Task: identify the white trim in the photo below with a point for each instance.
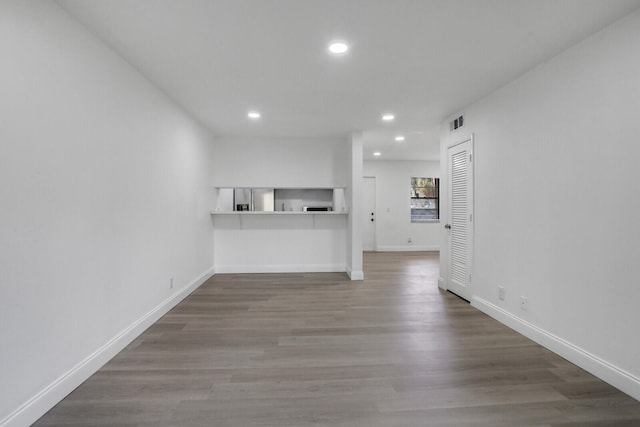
(412, 248)
(281, 268)
(355, 275)
(602, 369)
(442, 284)
(468, 137)
(48, 397)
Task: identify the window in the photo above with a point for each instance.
(425, 199)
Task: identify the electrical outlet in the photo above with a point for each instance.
(409, 240)
(501, 293)
(170, 282)
(524, 304)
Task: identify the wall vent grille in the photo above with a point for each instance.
(456, 123)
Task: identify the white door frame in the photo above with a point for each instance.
(375, 202)
(446, 274)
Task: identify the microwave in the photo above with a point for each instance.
(317, 208)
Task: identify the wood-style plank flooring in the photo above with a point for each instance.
(319, 350)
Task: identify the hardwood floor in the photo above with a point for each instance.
(319, 350)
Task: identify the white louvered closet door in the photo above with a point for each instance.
(460, 219)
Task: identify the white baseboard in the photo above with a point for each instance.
(38, 405)
(284, 268)
(355, 275)
(602, 369)
(442, 284)
(410, 248)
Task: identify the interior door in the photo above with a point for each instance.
(369, 205)
(460, 221)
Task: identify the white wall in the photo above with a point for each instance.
(106, 190)
(289, 243)
(294, 163)
(557, 201)
(354, 200)
(393, 212)
(280, 243)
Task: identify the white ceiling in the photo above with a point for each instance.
(420, 59)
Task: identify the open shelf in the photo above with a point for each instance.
(277, 213)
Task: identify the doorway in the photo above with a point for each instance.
(369, 209)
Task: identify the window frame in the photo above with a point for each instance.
(424, 197)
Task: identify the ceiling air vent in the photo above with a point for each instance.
(456, 123)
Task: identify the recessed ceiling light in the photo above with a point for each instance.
(388, 117)
(377, 153)
(338, 47)
(254, 115)
(399, 138)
